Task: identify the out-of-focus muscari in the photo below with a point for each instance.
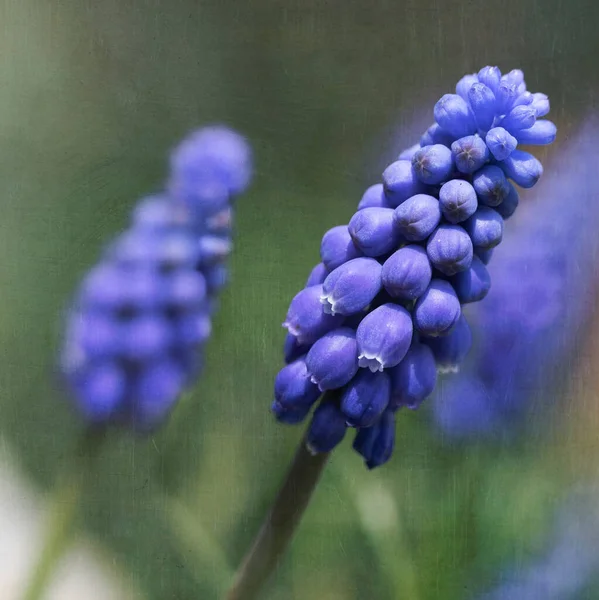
(382, 310)
(139, 321)
(536, 313)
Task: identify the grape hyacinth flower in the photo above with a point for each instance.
(383, 311)
(140, 320)
(537, 311)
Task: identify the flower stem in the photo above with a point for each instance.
(280, 524)
(63, 511)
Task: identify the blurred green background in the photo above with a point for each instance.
(93, 96)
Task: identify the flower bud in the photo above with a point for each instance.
(337, 247)
(373, 232)
(146, 337)
(470, 153)
(374, 197)
(453, 114)
(417, 217)
(100, 390)
(485, 228)
(473, 284)
(400, 182)
(407, 273)
(523, 168)
(414, 378)
(457, 200)
(484, 255)
(505, 95)
(327, 428)
(292, 349)
(351, 287)
(383, 337)
(435, 135)
(491, 77)
(490, 185)
(500, 142)
(408, 153)
(450, 350)
(289, 416)
(294, 388)
(365, 398)
(482, 101)
(306, 320)
(433, 164)
(540, 103)
(437, 310)
(450, 249)
(375, 444)
(317, 275)
(541, 133)
(520, 117)
(464, 84)
(508, 207)
(333, 359)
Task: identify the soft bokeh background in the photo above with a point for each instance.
(93, 96)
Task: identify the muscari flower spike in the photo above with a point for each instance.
(537, 312)
(138, 324)
(382, 312)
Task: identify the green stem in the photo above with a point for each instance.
(63, 511)
(280, 524)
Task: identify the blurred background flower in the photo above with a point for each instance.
(92, 95)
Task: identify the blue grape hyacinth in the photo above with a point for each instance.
(415, 251)
(536, 314)
(138, 324)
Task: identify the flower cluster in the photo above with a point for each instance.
(382, 311)
(137, 327)
(541, 283)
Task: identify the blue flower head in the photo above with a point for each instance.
(138, 324)
(383, 311)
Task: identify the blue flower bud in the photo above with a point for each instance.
(327, 428)
(463, 86)
(451, 350)
(292, 349)
(490, 185)
(470, 153)
(373, 231)
(100, 390)
(484, 255)
(437, 310)
(293, 387)
(383, 337)
(306, 320)
(474, 284)
(435, 135)
(351, 287)
(374, 197)
(289, 416)
(317, 275)
(515, 77)
(407, 273)
(94, 335)
(525, 98)
(540, 103)
(193, 329)
(408, 153)
(500, 143)
(185, 290)
(520, 117)
(452, 113)
(146, 337)
(417, 217)
(337, 247)
(485, 228)
(400, 182)
(333, 359)
(482, 101)
(523, 168)
(213, 249)
(541, 133)
(505, 95)
(433, 164)
(375, 444)
(491, 77)
(457, 200)
(220, 222)
(414, 378)
(449, 249)
(365, 398)
(508, 207)
(216, 277)
(154, 392)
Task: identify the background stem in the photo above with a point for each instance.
(280, 524)
(62, 512)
